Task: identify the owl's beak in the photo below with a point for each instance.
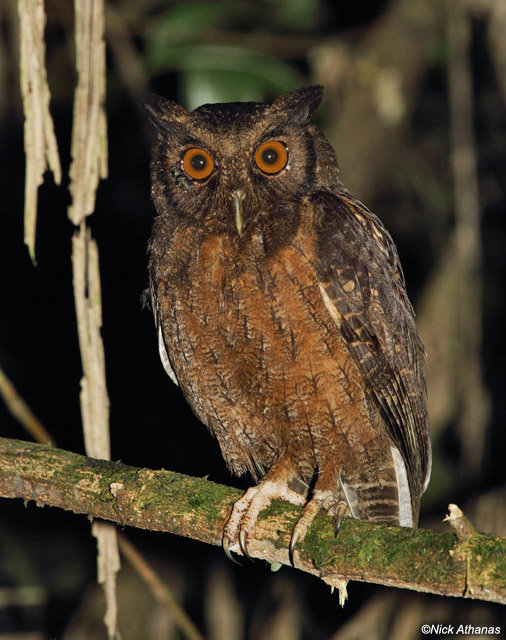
(237, 200)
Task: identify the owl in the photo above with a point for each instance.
(281, 312)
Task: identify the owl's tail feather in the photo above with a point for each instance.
(388, 501)
(351, 498)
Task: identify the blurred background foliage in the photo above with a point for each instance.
(389, 114)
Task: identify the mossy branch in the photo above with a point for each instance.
(421, 560)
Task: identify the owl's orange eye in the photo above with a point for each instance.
(197, 163)
(271, 157)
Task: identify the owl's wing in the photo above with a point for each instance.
(162, 349)
(362, 284)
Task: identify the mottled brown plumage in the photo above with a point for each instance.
(281, 313)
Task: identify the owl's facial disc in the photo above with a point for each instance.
(237, 207)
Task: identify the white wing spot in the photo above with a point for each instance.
(164, 357)
(405, 508)
(330, 306)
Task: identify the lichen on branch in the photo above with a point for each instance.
(162, 500)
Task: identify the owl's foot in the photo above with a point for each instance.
(240, 526)
(321, 500)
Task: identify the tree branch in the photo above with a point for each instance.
(421, 560)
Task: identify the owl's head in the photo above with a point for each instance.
(224, 166)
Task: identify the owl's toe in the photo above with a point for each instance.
(340, 512)
(321, 500)
(236, 531)
(304, 522)
(240, 526)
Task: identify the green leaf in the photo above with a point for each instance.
(299, 14)
(185, 21)
(217, 73)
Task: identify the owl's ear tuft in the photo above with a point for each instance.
(163, 113)
(298, 104)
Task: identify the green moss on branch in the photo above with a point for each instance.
(197, 508)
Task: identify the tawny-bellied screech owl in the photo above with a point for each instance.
(281, 313)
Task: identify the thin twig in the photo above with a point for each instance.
(127, 59)
(36, 429)
(159, 590)
(456, 519)
(22, 412)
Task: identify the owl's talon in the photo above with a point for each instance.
(243, 543)
(226, 549)
(342, 507)
(293, 541)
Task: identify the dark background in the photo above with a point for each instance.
(193, 50)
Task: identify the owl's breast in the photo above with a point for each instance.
(254, 348)
(237, 306)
